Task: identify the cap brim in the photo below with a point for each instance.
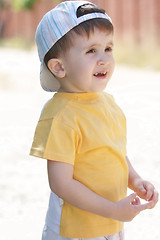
(48, 81)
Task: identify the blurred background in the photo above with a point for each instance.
(135, 84)
(137, 26)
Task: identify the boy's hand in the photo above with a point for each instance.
(146, 191)
(127, 208)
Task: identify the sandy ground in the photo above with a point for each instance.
(24, 188)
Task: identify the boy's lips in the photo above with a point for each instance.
(102, 74)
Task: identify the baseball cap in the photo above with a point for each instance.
(54, 25)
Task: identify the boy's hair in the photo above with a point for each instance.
(87, 27)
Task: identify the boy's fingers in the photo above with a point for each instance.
(149, 204)
(149, 195)
(154, 198)
(142, 189)
(136, 201)
(132, 197)
(150, 192)
(144, 206)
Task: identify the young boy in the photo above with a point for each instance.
(81, 131)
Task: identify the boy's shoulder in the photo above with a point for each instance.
(55, 107)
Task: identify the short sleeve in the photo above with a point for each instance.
(55, 140)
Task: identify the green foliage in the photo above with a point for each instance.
(23, 4)
(2, 4)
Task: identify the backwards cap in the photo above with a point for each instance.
(54, 25)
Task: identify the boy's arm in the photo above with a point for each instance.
(144, 189)
(62, 183)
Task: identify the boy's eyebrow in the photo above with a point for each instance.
(95, 44)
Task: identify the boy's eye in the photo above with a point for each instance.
(108, 49)
(91, 51)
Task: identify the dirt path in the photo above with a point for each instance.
(23, 180)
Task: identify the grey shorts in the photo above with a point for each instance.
(48, 234)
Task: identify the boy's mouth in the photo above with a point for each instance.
(100, 74)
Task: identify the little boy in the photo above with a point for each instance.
(81, 131)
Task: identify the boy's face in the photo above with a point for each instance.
(89, 63)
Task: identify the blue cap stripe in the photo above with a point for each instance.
(53, 32)
(44, 39)
(41, 44)
(74, 12)
(56, 24)
(74, 8)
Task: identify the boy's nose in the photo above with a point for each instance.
(102, 60)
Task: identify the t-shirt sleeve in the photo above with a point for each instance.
(55, 140)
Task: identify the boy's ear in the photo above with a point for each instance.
(56, 67)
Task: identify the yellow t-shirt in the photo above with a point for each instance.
(87, 130)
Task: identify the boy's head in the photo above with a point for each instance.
(58, 30)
